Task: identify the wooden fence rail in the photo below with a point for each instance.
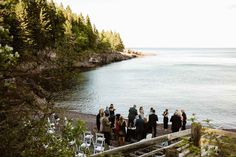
(144, 143)
(195, 132)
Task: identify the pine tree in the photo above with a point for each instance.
(10, 22)
(103, 42)
(117, 42)
(91, 34)
(20, 33)
(52, 24)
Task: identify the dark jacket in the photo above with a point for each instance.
(176, 123)
(184, 117)
(122, 129)
(98, 121)
(132, 113)
(153, 120)
(139, 125)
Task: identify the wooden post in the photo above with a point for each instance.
(172, 152)
(196, 133)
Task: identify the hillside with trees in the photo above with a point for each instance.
(31, 27)
(39, 44)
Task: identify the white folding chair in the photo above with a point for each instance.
(99, 145)
(149, 136)
(88, 139)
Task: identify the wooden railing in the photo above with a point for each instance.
(195, 133)
(144, 143)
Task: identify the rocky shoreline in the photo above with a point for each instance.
(99, 59)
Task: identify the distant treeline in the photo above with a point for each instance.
(30, 26)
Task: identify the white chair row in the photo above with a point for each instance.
(99, 144)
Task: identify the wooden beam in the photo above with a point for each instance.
(144, 143)
(175, 135)
(160, 149)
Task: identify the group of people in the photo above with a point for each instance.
(108, 122)
(142, 124)
(178, 120)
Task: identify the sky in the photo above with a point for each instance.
(164, 23)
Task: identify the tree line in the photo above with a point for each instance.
(28, 26)
(30, 31)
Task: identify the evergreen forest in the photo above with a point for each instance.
(39, 43)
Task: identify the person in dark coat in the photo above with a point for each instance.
(122, 132)
(98, 119)
(107, 111)
(132, 114)
(146, 127)
(139, 124)
(98, 123)
(176, 122)
(165, 119)
(153, 122)
(184, 120)
(112, 115)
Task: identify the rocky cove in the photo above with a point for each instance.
(99, 59)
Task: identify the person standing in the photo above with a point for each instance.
(153, 123)
(117, 126)
(107, 111)
(122, 132)
(165, 119)
(184, 120)
(146, 127)
(141, 112)
(98, 119)
(131, 116)
(112, 115)
(176, 122)
(106, 129)
(139, 124)
(150, 112)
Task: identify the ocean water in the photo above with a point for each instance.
(200, 81)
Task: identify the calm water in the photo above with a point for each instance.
(201, 81)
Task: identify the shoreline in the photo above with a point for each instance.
(95, 60)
